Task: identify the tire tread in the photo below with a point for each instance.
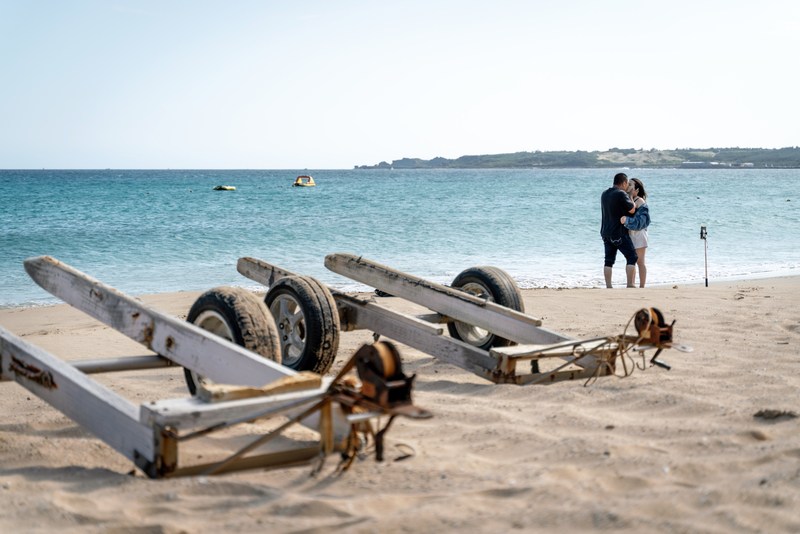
(249, 319)
(321, 317)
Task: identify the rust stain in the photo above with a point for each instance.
(93, 293)
(148, 336)
(135, 316)
(170, 342)
(25, 370)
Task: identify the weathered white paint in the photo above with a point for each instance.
(557, 350)
(182, 342)
(458, 305)
(93, 406)
(261, 271)
(392, 316)
(179, 341)
(193, 412)
(456, 352)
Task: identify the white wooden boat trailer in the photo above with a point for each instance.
(257, 388)
(473, 307)
(149, 435)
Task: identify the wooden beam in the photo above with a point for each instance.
(224, 392)
(179, 341)
(459, 305)
(392, 316)
(458, 353)
(192, 413)
(288, 458)
(261, 271)
(556, 350)
(96, 408)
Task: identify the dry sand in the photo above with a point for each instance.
(660, 451)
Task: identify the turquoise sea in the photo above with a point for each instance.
(167, 230)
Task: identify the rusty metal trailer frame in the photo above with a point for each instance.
(584, 359)
(149, 435)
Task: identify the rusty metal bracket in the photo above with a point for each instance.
(43, 378)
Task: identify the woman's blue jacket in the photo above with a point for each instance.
(639, 220)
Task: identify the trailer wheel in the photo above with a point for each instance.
(495, 285)
(237, 315)
(308, 323)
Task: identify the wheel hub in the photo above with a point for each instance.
(474, 335)
(291, 322)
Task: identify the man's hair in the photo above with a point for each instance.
(620, 178)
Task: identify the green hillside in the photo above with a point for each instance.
(788, 157)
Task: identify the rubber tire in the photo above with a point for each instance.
(503, 291)
(320, 322)
(246, 317)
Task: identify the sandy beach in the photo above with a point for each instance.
(659, 451)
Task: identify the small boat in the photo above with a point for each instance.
(224, 188)
(304, 181)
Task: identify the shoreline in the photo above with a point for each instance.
(786, 273)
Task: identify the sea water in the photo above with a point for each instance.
(168, 230)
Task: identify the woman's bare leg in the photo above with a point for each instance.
(640, 264)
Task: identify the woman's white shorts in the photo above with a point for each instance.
(639, 238)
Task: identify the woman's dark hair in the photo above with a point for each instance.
(640, 187)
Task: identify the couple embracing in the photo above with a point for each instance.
(626, 217)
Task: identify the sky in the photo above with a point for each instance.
(334, 84)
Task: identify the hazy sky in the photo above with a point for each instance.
(332, 84)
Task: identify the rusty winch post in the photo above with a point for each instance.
(653, 330)
(384, 388)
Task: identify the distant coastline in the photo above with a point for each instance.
(714, 158)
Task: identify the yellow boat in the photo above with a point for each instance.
(304, 181)
(224, 188)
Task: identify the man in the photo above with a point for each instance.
(615, 204)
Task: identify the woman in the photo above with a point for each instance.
(637, 224)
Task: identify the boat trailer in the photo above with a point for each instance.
(490, 335)
(246, 360)
(345, 411)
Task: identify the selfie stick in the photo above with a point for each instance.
(703, 235)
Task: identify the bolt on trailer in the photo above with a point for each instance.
(489, 332)
(233, 384)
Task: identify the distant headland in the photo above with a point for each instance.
(788, 157)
